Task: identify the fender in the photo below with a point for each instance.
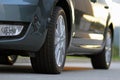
(45, 10)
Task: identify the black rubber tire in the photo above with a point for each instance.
(44, 61)
(8, 60)
(99, 60)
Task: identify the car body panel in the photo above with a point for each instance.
(17, 10)
(87, 25)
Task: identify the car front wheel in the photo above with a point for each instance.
(51, 57)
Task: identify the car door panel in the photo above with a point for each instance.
(89, 26)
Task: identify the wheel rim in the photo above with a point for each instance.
(108, 48)
(60, 41)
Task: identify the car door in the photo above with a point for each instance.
(89, 25)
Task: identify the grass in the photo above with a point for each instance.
(116, 58)
(85, 59)
(115, 51)
(77, 59)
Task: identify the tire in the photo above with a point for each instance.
(51, 57)
(103, 59)
(8, 60)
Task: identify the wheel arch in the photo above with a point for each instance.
(110, 26)
(112, 30)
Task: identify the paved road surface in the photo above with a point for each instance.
(75, 70)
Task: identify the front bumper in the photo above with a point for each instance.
(22, 12)
(29, 41)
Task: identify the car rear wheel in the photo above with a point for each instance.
(103, 59)
(8, 60)
(51, 57)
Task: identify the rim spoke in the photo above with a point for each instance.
(108, 48)
(60, 41)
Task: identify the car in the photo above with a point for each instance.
(49, 30)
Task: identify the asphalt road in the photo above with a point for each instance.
(75, 70)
